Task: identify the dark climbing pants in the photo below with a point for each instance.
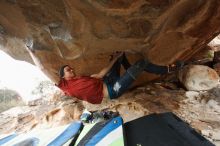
(117, 84)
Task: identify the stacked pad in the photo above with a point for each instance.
(103, 133)
(108, 132)
(162, 130)
(47, 137)
(5, 138)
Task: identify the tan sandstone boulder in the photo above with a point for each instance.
(198, 77)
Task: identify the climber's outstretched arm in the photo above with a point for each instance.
(105, 70)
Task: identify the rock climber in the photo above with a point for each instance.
(108, 83)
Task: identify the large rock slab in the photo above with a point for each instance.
(198, 77)
(50, 33)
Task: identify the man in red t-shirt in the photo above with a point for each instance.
(107, 83)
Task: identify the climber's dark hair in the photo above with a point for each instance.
(61, 74)
(61, 71)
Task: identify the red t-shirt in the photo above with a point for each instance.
(84, 88)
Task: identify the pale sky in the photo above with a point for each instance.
(20, 76)
(215, 41)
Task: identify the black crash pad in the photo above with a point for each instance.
(164, 129)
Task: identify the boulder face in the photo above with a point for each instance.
(50, 33)
(199, 77)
